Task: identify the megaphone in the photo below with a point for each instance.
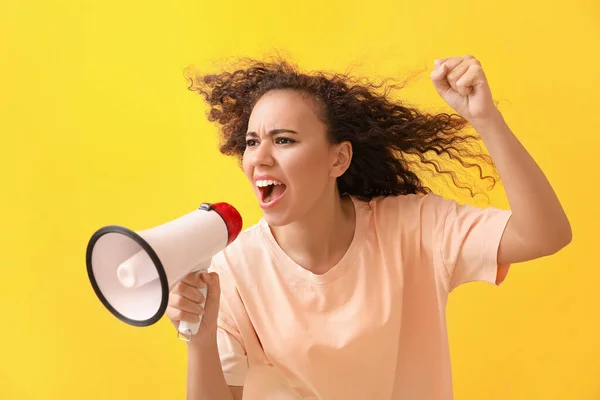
(132, 273)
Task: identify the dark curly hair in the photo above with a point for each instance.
(391, 141)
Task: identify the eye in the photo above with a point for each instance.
(250, 142)
(282, 140)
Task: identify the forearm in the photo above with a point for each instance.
(205, 379)
(538, 216)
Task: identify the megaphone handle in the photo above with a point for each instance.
(188, 329)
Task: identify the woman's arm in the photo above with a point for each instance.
(237, 392)
(538, 226)
(205, 379)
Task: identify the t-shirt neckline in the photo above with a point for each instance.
(302, 274)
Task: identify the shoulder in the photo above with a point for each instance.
(249, 239)
(430, 210)
(413, 207)
(410, 200)
(246, 250)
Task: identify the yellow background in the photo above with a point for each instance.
(97, 127)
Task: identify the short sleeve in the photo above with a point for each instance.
(230, 342)
(468, 240)
(233, 357)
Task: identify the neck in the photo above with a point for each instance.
(322, 237)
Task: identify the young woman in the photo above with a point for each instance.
(339, 291)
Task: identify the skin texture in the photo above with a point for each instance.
(391, 141)
(316, 160)
(311, 208)
(539, 226)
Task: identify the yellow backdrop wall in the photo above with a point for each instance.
(97, 127)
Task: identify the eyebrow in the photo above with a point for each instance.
(273, 132)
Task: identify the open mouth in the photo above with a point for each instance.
(270, 191)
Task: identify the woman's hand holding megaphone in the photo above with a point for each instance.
(186, 300)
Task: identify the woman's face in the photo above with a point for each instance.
(288, 159)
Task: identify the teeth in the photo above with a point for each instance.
(263, 183)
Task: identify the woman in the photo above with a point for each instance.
(339, 292)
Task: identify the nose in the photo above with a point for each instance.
(262, 155)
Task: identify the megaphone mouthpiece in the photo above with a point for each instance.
(137, 270)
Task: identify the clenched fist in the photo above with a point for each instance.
(187, 303)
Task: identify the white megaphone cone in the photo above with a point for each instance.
(132, 273)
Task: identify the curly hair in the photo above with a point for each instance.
(391, 142)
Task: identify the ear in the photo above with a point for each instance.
(342, 156)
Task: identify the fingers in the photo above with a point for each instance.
(439, 62)
(457, 73)
(442, 68)
(469, 80)
(189, 288)
(187, 291)
(181, 308)
(186, 302)
(193, 279)
(176, 314)
(438, 76)
(450, 62)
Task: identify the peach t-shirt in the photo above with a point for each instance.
(373, 327)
